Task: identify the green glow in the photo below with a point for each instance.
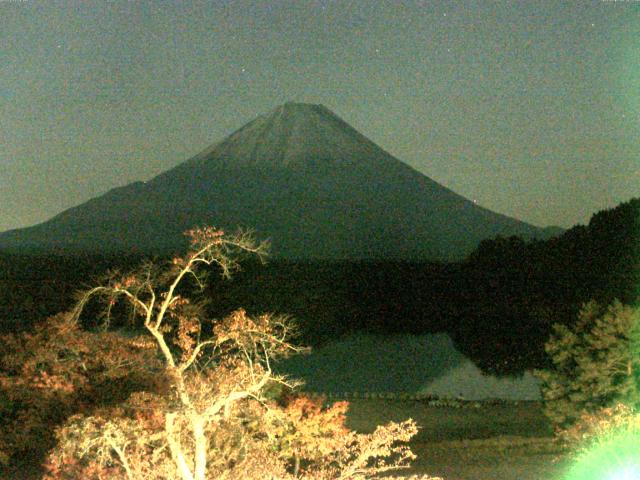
(616, 457)
(631, 473)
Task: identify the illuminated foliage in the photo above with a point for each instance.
(58, 370)
(596, 363)
(202, 404)
(593, 390)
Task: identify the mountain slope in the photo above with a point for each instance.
(300, 176)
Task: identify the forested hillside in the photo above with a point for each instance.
(498, 305)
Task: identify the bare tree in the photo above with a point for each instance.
(246, 345)
(211, 416)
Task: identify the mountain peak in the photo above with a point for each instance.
(293, 136)
(299, 175)
(299, 106)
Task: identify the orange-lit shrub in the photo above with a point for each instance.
(58, 370)
(592, 426)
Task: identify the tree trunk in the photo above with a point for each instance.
(200, 469)
(176, 450)
(296, 465)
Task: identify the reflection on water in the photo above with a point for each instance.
(403, 363)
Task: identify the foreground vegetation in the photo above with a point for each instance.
(182, 397)
(138, 381)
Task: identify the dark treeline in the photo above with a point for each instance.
(518, 290)
(33, 287)
(498, 305)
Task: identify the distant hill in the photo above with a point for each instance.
(300, 176)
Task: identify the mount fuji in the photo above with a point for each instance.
(300, 176)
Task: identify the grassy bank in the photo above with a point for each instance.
(510, 441)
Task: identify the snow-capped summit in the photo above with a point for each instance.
(291, 136)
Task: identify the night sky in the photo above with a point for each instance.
(530, 108)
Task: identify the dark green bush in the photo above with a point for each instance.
(596, 363)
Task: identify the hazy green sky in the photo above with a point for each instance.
(531, 108)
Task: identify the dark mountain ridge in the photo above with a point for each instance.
(300, 176)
